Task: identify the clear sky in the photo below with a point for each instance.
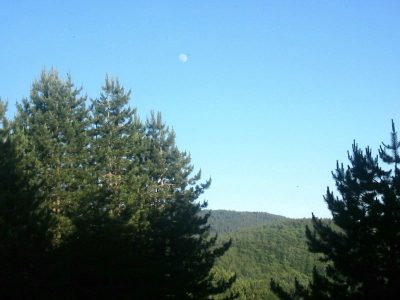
(269, 95)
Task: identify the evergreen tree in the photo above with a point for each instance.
(103, 252)
(180, 251)
(158, 246)
(116, 138)
(24, 237)
(107, 206)
(54, 123)
(362, 246)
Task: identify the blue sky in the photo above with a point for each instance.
(272, 93)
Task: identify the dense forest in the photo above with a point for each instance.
(264, 246)
(225, 221)
(96, 203)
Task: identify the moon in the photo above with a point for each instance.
(183, 57)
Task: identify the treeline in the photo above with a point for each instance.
(95, 203)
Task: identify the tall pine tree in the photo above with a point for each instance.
(25, 241)
(116, 142)
(108, 206)
(102, 253)
(181, 250)
(54, 123)
(362, 246)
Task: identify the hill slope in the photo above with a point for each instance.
(225, 221)
(275, 249)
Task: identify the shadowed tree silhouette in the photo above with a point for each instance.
(25, 242)
(362, 246)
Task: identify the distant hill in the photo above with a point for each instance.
(264, 246)
(225, 221)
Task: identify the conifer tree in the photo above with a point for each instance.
(362, 246)
(181, 251)
(53, 121)
(102, 253)
(159, 248)
(107, 206)
(116, 142)
(24, 237)
(111, 131)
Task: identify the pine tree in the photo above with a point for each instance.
(102, 252)
(53, 121)
(362, 246)
(111, 134)
(24, 236)
(107, 206)
(159, 246)
(181, 252)
(116, 142)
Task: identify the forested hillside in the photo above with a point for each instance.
(275, 249)
(225, 221)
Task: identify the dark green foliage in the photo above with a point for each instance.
(98, 260)
(24, 236)
(53, 124)
(96, 204)
(116, 134)
(181, 251)
(362, 250)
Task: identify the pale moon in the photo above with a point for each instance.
(183, 57)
